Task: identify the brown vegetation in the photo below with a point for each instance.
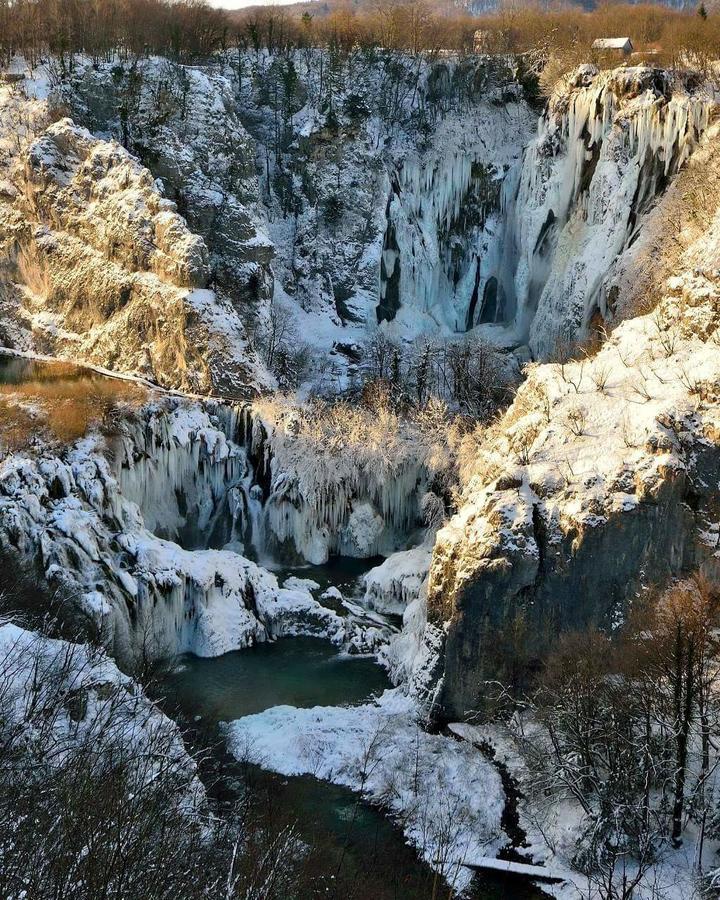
(61, 401)
(565, 33)
(556, 39)
(103, 28)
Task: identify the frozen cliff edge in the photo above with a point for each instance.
(74, 513)
(607, 147)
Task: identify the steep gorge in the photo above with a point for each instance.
(461, 223)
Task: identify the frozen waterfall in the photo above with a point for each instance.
(606, 148)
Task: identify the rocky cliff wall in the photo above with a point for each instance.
(99, 266)
(608, 146)
(600, 481)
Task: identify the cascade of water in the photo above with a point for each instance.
(181, 474)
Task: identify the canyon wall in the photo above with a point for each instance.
(99, 266)
(599, 483)
(608, 146)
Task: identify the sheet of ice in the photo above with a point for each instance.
(606, 148)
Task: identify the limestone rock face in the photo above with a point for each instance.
(183, 125)
(96, 191)
(101, 267)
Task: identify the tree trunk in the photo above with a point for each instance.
(686, 681)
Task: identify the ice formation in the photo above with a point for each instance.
(393, 585)
(82, 518)
(346, 500)
(191, 481)
(444, 223)
(606, 148)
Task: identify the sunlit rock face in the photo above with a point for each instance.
(95, 191)
(182, 123)
(101, 267)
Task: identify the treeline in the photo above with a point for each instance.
(102, 29)
(421, 25)
(189, 29)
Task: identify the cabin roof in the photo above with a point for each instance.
(620, 43)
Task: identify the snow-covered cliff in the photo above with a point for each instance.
(381, 175)
(182, 123)
(600, 480)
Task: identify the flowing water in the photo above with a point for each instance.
(296, 671)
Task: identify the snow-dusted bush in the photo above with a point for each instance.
(351, 477)
(99, 796)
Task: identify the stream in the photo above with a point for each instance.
(306, 672)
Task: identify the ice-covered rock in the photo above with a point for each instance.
(393, 585)
(329, 492)
(607, 147)
(86, 522)
(444, 233)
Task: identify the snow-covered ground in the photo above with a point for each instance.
(443, 793)
(71, 693)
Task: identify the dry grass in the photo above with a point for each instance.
(33, 272)
(17, 426)
(62, 402)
